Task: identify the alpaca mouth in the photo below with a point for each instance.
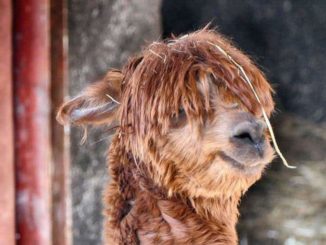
(238, 165)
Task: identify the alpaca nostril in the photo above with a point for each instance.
(250, 133)
(245, 136)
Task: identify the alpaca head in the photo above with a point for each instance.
(185, 112)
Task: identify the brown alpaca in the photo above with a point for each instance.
(190, 140)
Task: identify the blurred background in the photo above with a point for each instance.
(52, 50)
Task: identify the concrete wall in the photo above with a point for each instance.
(102, 35)
(287, 39)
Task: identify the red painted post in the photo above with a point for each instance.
(7, 182)
(61, 205)
(32, 121)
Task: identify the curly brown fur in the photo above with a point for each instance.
(177, 171)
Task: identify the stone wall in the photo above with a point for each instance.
(102, 35)
(287, 39)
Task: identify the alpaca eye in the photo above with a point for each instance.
(181, 111)
(179, 119)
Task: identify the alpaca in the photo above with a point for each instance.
(189, 139)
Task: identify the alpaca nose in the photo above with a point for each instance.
(251, 132)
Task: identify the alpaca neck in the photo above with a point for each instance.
(216, 218)
(142, 202)
(218, 211)
(218, 214)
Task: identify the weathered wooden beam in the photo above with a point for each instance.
(7, 182)
(32, 121)
(61, 204)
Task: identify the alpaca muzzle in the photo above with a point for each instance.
(251, 133)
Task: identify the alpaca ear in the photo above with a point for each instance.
(98, 104)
